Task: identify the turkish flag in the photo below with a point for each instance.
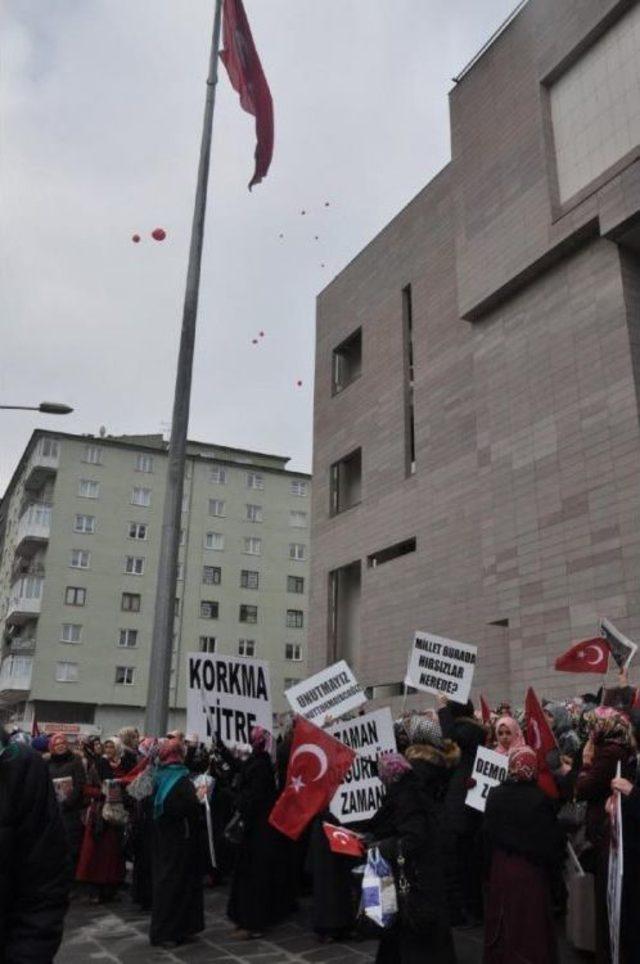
(589, 656)
(343, 841)
(240, 57)
(486, 711)
(539, 737)
(317, 765)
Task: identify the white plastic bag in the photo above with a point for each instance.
(379, 901)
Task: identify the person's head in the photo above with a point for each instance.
(171, 751)
(58, 744)
(111, 749)
(424, 729)
(607, 725)
(508, 734)
(176, 735)
(458, 710)
(40, 743)
(130, 737)
(260, 739)
(523, 765)
(95, 745)
(392, 767)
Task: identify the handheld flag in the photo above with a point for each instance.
(622, 649)
(486, 711)
(540, 738)
(343, 841)
(588, 656)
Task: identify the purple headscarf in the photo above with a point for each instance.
(392, 766)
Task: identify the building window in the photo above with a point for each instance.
(290, 681)
(298, 519)
(134, 565)
(253, 513)
(128, 638)
(391, 552)
(144, 462)
(295, 619)
(298, 487)
(49, 448)
(66, 672)
(180, 571)
(75, 596)
(80, 559)
(185, 502)
(84, 523)
(214, 540)
(88, 489)
(297, 551)
(207, 644)
(255, 480)
(293, 652)
(138, 530)
(345, 482)
(211, 575)
(246, 647)
(71, 633)
(248, 614)
(131, 602)
(183, 536)
(208, 609)
(409, 379)
(216, 507)
(176, 608)
(253, 546)
(218, 475)
(295, 584)
(249, 579)
(125, 675)
(93, 455)
(140, 496)
(346, 362)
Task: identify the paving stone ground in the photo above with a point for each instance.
(117, 933)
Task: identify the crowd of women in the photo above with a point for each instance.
(184, 816)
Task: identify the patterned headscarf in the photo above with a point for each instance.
(523, 765)
(392, 766)
(260, 739)
(517, 739)
(606, 725)
(422, 729)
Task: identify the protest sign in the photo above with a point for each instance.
(360, 794)
(330, 693)
(622, 649)
(489, 770)
(439, 665)
(227, 696)
(616, 869)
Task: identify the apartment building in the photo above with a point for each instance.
(476, 426)
(80, 535)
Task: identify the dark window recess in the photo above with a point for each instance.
(409, 414)
(295, 584)
(346, 482)
(248, 614)
(347, 362)
(385, 691)
(391, 552)
(500, 622)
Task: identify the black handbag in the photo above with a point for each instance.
(234, 831)
(415, 911)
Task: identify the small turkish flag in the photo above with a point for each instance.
(539, 737)
(589, 656)
(317, 766)
(486, 711)
(342, 841)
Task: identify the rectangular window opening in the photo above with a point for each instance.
(346, 362)
(345, 482)
(391, 552)
(409, 414)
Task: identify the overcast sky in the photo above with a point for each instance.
(101, 104)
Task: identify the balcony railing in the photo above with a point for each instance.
(43, 464)
(25, 600)
(15, 677)
(34, 528)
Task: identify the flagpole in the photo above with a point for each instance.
(162, 637)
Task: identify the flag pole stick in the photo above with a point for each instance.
(162, 637)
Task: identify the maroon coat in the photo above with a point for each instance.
(594, 786)
(101, 858)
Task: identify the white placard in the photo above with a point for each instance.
(489, 770)
(330, 693)
(226, 696)
(440, 665)
(360, 794)
(616, 870)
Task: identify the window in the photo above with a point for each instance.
(214, 540)
(183, 536)
(84, 523)
(297, 551)
(66, 672)
(391, 552)
(128, 638)
(295, 618)
(125, 675)
(345, 482)
(176, 608)
(88, 489)
(249, 579)
(248, 614)
(75, 596)
(409, 378)
(218, 475)
(298, 487)
(255, 480)
(253, 546)
(140, 496)
(144, 462)
(293, 651)
(180, 571)
(254, 513)
(298, 519)
(246, 647)
(216, 507)
(346, 362)
(134, 565)
(295, 584)
(208, 609)
(185, 502)
(71, 633)
(211, 575)
(138, 530)
(207, 644)
(131, 602)
(290, 681)
(93, 455)
(80, 559)
(49, 448)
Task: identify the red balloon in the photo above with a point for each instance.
(136, 238)
(158, 234)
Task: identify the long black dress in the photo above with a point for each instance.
(333, 909)
(177, 909)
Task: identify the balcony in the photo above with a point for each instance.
(34, 529)
(43, 464)
(15, 677)
(22, 644)
(25, 600)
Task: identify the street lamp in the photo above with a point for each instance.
(48, 408)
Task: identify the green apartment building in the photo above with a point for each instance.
(80, 530)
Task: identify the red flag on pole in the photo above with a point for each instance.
(588, 656)
(486, 710)
(240, 57)
(343, 841)
(540, 738)
(317, 765)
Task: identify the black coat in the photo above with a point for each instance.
(521, 819)
(35, 872)
(333, 911)
(460, 819)
(177, 899)
(70, 765)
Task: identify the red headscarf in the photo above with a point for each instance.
(57, 739)
(170, 751)
(523, 765)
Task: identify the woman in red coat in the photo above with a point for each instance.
(101, 862)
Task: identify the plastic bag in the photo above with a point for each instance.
(379, 901)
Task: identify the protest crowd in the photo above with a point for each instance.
(502, 817)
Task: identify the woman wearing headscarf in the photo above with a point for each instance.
(610, 742)
(405, 828)
(129, 739)
(101, 863)
(524, 842)
(139, 783)
(177, 911)
(433, 759)
(508, 735)
(67, 772)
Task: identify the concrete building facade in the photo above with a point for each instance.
(476, 426)
(80, 529)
